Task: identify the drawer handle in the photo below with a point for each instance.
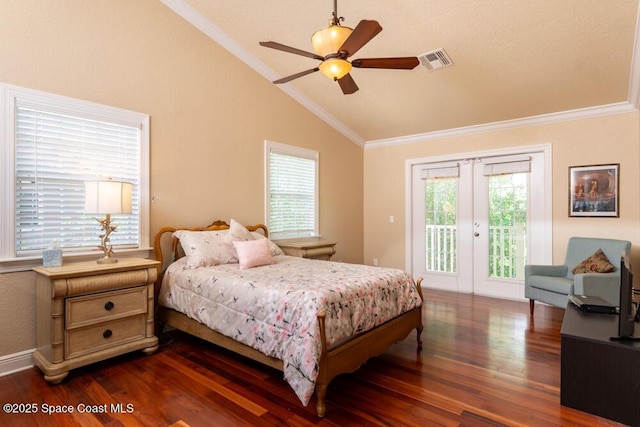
(109, 306)
(107, 333)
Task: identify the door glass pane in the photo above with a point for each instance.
(507, 225)
(441, 201)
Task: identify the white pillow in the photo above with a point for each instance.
(238, 231)
(273, 248)
(253, 253)
(206, 248)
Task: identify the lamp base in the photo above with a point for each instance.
(107, 228)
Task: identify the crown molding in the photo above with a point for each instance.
(189, 14)
(544, 119)
(181, 8)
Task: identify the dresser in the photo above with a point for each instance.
(308, 248)
(599, 375)
(88, 312)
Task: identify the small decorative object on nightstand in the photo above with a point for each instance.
(308, 248)
(87, 312)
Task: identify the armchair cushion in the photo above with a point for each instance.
(596, 263)
(560, 285)
(605, 285)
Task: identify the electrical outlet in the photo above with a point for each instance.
(375, 262)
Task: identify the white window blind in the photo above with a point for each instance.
(292, 195)
(440, 170)
(51, 146)
(508, 165)
(55, 155)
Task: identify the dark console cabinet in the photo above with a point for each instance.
(598, 375)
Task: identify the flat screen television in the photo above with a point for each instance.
(627, 312)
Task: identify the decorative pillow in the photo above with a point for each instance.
(273, 248)
(596, 263)
(206, 248)
(253, 253)
(238, 231)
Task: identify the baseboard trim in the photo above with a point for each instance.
(16, 362)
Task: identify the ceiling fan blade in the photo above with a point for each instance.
(347, 84)
(405, 63)
(285, 48)
(364, 31)
(296, 75)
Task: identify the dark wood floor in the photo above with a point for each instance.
(484, 363)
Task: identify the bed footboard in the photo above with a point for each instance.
(348, 357)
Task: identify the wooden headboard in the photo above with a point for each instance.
(175, 250)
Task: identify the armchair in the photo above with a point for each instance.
(553, 284)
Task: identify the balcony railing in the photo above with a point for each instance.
(507, 250)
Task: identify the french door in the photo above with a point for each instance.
(476, 221)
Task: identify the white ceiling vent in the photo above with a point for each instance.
(435, 59)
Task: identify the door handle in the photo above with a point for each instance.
(476, 234)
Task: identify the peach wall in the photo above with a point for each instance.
(610, 139)
(210, 115)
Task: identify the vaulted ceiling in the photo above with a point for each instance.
(514, 62)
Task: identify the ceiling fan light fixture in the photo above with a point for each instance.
(330, 39)
(335, 68)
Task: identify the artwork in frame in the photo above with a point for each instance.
(594, 191)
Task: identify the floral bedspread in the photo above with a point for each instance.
(274, 308)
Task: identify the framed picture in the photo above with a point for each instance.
(594, 191)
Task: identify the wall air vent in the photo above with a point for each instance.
(435, 59)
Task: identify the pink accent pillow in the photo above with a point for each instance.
(253, 253)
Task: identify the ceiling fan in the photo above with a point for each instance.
(334, 44)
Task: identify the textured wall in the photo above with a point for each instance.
(210, 115)
(610, 139)
(17, 314)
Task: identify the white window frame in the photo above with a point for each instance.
(10, 96)
(290, 150)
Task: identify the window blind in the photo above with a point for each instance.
(440, 170)
(507, 166)
(292, 194)
(54, 154)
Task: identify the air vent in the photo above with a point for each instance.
(435, 59)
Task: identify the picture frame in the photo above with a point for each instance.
(594, 191)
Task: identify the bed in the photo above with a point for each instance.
(312, 320)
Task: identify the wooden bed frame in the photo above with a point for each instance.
(347, 356)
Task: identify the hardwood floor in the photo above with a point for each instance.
(484, 363)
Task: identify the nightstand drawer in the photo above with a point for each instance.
(97, 308)
(95, 338)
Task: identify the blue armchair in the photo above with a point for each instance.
(553, 284)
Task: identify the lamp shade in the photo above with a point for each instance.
(107, 197)
(335, 68)
(330, 39)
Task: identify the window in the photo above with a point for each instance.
(291, 191)
(50, 146)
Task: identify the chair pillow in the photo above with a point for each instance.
(596, 263)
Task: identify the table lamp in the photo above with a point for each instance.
(106, 198)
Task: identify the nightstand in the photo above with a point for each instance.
(88, 312)
(308, 248)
